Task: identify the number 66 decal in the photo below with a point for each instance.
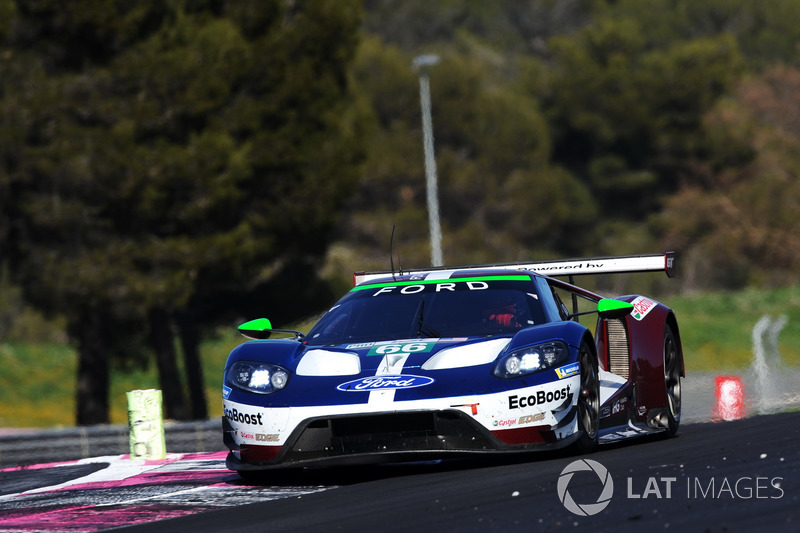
(404, 348)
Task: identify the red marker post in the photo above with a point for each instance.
(730, 398)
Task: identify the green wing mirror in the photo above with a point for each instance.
(261, 328)
(609, 308)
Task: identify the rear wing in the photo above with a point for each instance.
(565, 267)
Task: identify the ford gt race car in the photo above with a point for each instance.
(447, 362)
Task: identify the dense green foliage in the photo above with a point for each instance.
(586, 128)
(160, 157)
(167, 167)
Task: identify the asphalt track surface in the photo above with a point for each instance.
(740, 475)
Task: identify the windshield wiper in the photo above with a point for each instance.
(421, 325)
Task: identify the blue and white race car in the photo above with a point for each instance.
(450, 362)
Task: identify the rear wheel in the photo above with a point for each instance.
(672, 380)
(588, 401)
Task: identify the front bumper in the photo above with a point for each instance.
(398, 436)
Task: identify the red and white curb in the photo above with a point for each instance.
(127, 492)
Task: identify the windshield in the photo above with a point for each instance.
(484, 306)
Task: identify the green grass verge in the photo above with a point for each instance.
(716, 329)
(37, 383)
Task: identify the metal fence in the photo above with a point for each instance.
(22, 447)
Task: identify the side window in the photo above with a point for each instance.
(569, 303)
(562, 308)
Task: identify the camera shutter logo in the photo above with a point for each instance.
(585, 509)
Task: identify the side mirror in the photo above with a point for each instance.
(261, 328)
(609, 308)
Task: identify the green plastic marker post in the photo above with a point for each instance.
(146, 425)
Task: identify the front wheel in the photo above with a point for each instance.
(588, 401)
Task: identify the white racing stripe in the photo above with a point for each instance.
(609, 384)
(391, 365)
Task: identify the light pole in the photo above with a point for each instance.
(421, 63)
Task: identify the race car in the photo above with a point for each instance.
(451, 362)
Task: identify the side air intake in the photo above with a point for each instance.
(618, 348)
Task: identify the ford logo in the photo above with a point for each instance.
(403, 381)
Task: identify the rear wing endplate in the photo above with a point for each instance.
(564, 267)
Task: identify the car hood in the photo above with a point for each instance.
(386, 357)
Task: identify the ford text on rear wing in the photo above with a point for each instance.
(664, 262)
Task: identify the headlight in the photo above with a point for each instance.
(531, 359)
(260, 378)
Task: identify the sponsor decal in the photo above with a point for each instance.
(507, 422)
(619, 405)
(529, 419)
(359, 345)
(642, 306)
(438, 285)
(234, 415)
(516, 402)
(402, 348)
(259, 437)
(642, 410)
(569, 266)
(401, 381)
(569, 370)
(226, 391)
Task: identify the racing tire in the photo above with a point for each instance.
(588, 401)
(672, 381)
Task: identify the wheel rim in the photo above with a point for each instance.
(589, 399)
(672, 376)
